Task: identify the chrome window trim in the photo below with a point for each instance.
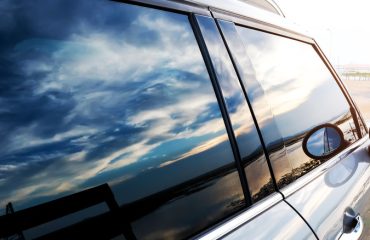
(174, 5)
(278, 26)
(230, 225)
(234, 9)
(202, 7)
(277, 29)
(321, 169)
(242, 7)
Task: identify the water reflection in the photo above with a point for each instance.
(301, 92)
(223, 192)
(101, 92)
(250, 148)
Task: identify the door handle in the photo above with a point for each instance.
(352, 225)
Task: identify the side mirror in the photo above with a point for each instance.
(323, 141)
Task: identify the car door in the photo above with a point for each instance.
(301, 92)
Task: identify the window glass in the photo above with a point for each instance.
(249, 145)
(109, 105)
(301, 92)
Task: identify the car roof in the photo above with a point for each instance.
(268, 5)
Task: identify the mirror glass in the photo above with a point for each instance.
(323, 142)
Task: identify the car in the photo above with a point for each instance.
(155, 119)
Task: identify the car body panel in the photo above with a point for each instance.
(260, 222)
(290, 226)
(323, 200)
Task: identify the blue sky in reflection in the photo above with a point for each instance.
(91, 97)
(315, 144)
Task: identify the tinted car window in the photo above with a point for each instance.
(249, 145)
(301, 92)
(109, 101)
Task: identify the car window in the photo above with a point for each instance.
(109, 105)
(301, 94)
(253, 159)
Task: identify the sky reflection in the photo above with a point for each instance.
(89, 98)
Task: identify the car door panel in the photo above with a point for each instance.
(280, 221)
(346, 183)
(270, 218)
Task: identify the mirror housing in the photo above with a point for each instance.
(324, 141)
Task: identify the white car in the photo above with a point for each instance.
(158, 119)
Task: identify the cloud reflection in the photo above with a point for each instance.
(89, 98)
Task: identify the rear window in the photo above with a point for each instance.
(108, 114)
